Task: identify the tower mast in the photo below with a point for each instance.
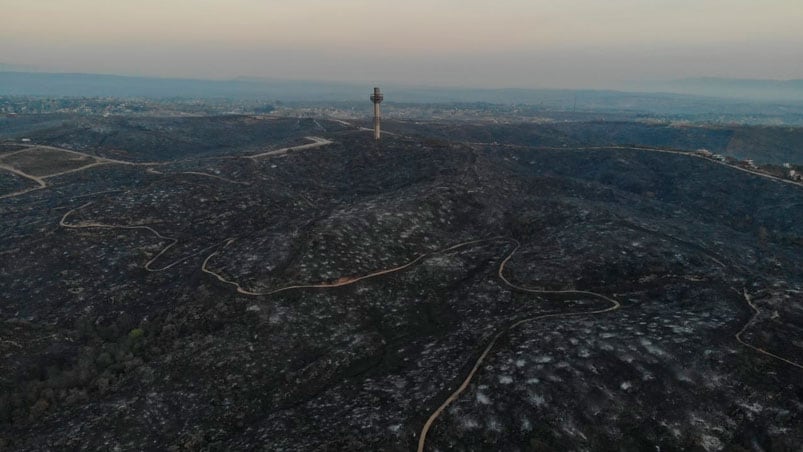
(377, 99)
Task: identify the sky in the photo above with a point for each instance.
(468, 43)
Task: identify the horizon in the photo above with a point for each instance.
(17, 82)
(11, 68)
(530, 45)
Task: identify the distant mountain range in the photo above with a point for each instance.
(750, 89)
(95, 85)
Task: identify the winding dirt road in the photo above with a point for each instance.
(642, 149)
(90, 225)
(213, 176)
(148, 265)
(692, 154)
(344, 281)
(99, 161)
(316, 142)
(40, 181)
(615, 305)
(738, 336)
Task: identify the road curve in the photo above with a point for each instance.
(39, 180)
(692, 154)
(213, 176)
(316, 142)
(643, 149)
(738, 335)
(148, 265)
(99, 161)
(345, 281)
(615, 305)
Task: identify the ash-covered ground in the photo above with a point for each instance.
(246, 283)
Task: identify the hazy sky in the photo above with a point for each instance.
(492, 43)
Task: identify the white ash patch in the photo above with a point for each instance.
(751, 408)
(710, 443)
(554, 378)
(678, 329)
(483, 399)
(673, 428)
(652, 348)
(572, 430)
(777, 430)
(536, 399)
(277, 316)
(713, 380)
(494, 424)
(606, 346)
(469, 424)
(684, 376)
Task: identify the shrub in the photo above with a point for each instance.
(136, 333)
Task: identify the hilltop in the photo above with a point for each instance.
(248, 282)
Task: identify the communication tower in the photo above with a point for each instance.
(377, 99)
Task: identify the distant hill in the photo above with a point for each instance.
(96, 85)
(609, 104)
(774, 145)
(643, 97)
(763, 90)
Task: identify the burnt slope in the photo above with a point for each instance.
(100, 352)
